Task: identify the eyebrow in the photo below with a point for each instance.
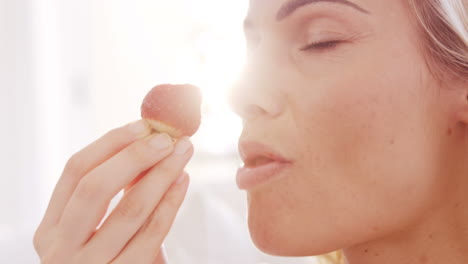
(289, 8)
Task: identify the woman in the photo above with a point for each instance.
(355, 138)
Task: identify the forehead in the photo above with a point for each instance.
(266, 10)
(264, 7)
(289, 7)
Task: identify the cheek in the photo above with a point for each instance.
(363, 153)
(368, 154)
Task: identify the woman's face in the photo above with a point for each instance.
(342, 91)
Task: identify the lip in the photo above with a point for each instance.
(252, 176)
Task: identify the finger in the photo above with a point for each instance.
(134, 181)
(162, 256)
(86, 160)
(143, 248)
(89, 202)
(89, 158)
(133, 210)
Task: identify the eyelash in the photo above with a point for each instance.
(322, 45)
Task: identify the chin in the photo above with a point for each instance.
(274, 243)
(271, 242)
(278, 232)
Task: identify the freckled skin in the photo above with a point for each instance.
(366, 127)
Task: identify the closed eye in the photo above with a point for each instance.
(322, 45)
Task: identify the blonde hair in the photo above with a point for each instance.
(443, 28)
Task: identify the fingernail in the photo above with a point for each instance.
(181, 178)
(182, 146)
(161, 141)
(139, 128)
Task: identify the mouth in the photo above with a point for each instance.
(255, 154)
(257, 161)
(261, 164)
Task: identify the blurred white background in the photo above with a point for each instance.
(72, 70)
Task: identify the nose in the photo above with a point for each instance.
(258, 92)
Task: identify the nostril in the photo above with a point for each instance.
(241, 106)
(251, 111)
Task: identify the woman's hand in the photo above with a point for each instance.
(150, 168)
